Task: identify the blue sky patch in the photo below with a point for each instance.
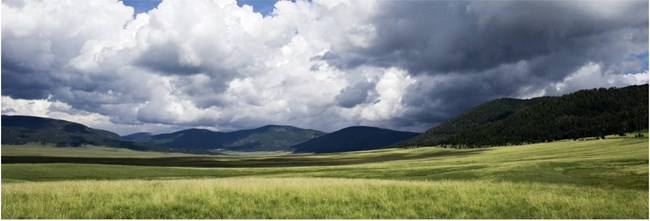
(265, 7)
(642, 58)
(141, 6)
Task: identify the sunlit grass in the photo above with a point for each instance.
(619, 163)
(565, 179)
(315, 198)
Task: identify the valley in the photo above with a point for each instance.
(581, 155)
(319, 109)
(599, 178)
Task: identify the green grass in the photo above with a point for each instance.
(315, 198)
(620, 163)
(566, 179)
(86, 151)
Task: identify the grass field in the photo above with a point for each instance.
(37, 150)
(565, 179)
(316, 198)
(32, 150)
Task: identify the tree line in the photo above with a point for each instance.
(587, 113)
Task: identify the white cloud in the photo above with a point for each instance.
(42, 35)
(210, 63)
(390, 89)
(63, 111)
(591, 75)
(199, 63)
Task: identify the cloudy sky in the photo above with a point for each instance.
(322, 64)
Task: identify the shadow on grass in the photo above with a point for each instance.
(279, 161)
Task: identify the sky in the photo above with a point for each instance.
(264, 7)
(141, 6)
(148, 66)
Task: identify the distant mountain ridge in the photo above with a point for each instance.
(353, 139)
(585, 113)
(266, 138)
(28, 129)
(17, 129)
(506, 121)
(137, 136)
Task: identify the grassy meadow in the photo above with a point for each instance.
(32, 150)
(564, 179)
(315, 198)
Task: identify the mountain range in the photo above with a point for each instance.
(266, 138)
(506, 121)
(28, 129)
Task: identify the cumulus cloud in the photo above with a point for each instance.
(39, 38)
(592, 75)
(314, 64)
(358, 93)
(471, 36)
(63, 111)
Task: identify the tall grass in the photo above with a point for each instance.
(315, 198)
(611, 163)
(566, 179)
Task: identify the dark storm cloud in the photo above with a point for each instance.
(441, 36)
(165, 59)
(437, 98)
(491, 49)
(24, 68)
(24, 85)
(358, 93)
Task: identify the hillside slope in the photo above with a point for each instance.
(585, 113)
(353, 139)
(267, 138)
(29, 129)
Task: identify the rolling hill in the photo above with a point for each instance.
(586, 113)
(506, 121)
(143, 136)
(18, 130)
(353, 139)
(266, 138)
(29, 129)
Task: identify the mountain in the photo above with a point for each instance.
(353, 139)
(585, 113)
(480, 116)
(143, 136)
(267, 138)
(29, 129)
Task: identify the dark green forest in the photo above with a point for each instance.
(29, 129)
(585, 113)
(353, 139)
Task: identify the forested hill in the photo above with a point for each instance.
(353, 139)
(29, 129)
(266, 138)
(586, 113)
